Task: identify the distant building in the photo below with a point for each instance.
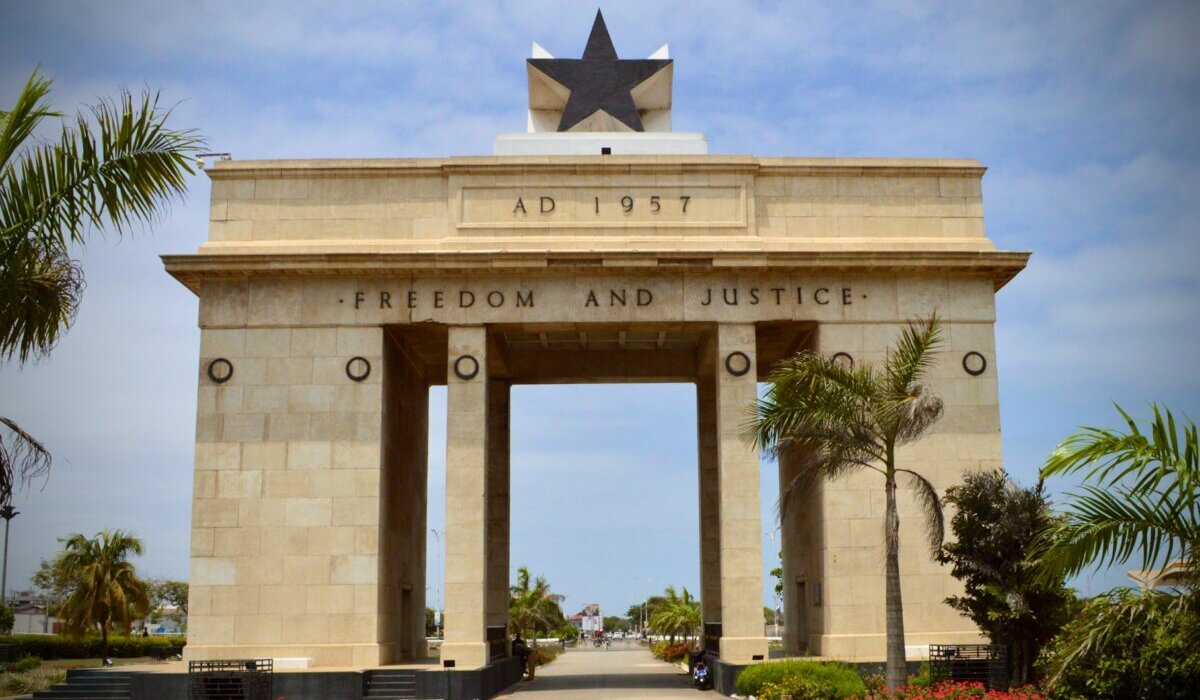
(588, 620)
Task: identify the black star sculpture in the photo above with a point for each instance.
(599, 82)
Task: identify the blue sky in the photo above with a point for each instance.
(1086, 114)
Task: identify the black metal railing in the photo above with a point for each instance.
(985, 663)
(231, 679)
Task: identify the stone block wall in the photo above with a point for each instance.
(285, 519)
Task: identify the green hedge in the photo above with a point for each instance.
(56, 647)
(841, 680)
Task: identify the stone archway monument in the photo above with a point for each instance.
(597, 247)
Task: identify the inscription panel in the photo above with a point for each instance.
(608, 206)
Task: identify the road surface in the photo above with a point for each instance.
(629, 674)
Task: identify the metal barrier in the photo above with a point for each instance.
(231, 679)
(985, 663)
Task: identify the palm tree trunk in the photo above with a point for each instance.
(897, 671)
(103, 641)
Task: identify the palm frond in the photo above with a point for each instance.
(810, 396)
(1108, 526)
(116, 172)
(40, 291)
(916, 413)
(22, 458)
(931, 508)
(1157, 461)
(912, 355)
(19, 123)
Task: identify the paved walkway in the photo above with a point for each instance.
(590, 675)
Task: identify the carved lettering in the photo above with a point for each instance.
(520, 207)
(617, 296)
(546, 205)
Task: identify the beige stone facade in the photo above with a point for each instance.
(310, 484)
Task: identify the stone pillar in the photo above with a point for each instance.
(741, 527)
(792, 550)
(710, 506)
(466, 498)
(498, 503)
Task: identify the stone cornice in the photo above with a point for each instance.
(192, 270)
(492, 165)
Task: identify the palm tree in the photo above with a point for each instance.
(1140, 499)
(677, 615)
(107, 588)
(115, 167)
(532, 609)
(835, 421)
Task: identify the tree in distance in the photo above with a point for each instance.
(834, 421)
(532, 609)
(1140, 501)
(113, 168)
(995, 523)
(169, 594)
(678, 615)
(105, 588)
(641, 613)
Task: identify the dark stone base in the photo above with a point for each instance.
(724, 674)
(481, 683)
(485, 682)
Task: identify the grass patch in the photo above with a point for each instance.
(31, 681)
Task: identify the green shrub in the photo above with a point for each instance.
(7, 619)
(835, 680)
(31, 682)
(25, 663)
(56, 647)
(798, 689)
(924, 677)
(1158, 658)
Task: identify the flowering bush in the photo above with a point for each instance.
(957, 690)
(672, 653)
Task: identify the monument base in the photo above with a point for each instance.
(486, 682)
(465, 655)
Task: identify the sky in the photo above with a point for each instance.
(1085, 113)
